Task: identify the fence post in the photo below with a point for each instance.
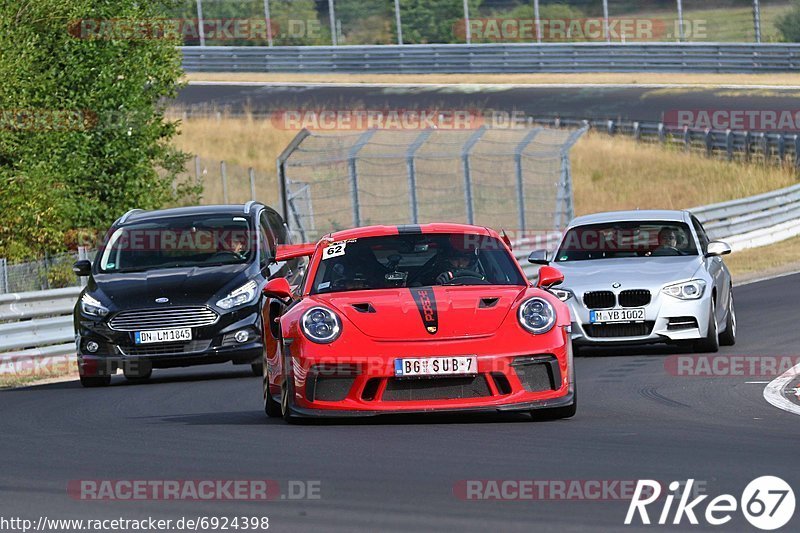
(83, 255)
(782, 148)
(797, 151)
(757, 20)
(224, 175)
(662, 135)
(729, 144)
(411, 168)
(196, 170)
(765, 151)
(637, 132)
(611, 127)
(465, 151)
(4, 273)
(748, 142)
(709, 142)
(687, 138)
(353, 171)
(520, 182)
(252, 175)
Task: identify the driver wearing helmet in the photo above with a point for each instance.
(459, 263)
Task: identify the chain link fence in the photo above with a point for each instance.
(52, 272)
(367, 22)
(518, 179)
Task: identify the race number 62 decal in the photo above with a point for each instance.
(334, 249)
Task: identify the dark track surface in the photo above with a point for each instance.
(593, 102)
(634, 421)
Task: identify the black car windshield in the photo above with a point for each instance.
(415, 261)
(627, 240)
(178, 242)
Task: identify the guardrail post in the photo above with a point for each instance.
(687, 138)
(83, 255)
(637, 132)
(611, 127)
(662, 135)
(252, 176)
(782, 148)
(748, 143)
(224, 174)
(729, 144)
(797, 151)
(4, 274)
(709, 143)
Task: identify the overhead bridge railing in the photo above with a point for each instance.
(36, 325)
(498, 58)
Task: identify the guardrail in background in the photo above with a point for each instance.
(745, 223)
(36, 325)
(497, 58)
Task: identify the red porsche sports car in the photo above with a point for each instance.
(408, 319)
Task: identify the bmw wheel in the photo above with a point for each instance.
(728, 337)
(710, 344)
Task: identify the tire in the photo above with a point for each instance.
(728, 337)
(286, 402)
(271, 407)
(257, 368)
(95, 381)
(710, 344)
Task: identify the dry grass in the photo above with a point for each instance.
(60, 373)
(617, 173)
(635, 78)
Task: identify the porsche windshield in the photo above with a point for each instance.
(418, 260)
(627, 240)
(178, 242)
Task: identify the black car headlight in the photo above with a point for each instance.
(91, 306)
(537, 315)
(241, 296)
(321, 325)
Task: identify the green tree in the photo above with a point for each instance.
(435, 21)
(83, 136)
(789, 24)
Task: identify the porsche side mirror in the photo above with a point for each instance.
(538, 257)
(717, 248)
(549, 277)
(82, 268)
(278, 288)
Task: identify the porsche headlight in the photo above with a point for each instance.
(537, 315)
(241, 296)
(562, 294)
(321, 325)
(688, 290)
(92, 307)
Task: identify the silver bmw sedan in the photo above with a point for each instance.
(641, 277)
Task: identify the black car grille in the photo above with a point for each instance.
(398, 390)
(330, 383)
(634, 298)
(682, 322)
(599, 299)
(172, 348)
(163, 318)
(641, 329)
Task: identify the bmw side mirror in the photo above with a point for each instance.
(82, 268)
(278, 288)
(538, 257)
(717, 248)
(549, 277)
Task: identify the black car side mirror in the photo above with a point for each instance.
(538, 257)
(82, 268)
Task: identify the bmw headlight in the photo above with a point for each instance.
(321, 325)
(537, 315)
(689, 290)
(92, 307)
(562, 294)
(241, 296)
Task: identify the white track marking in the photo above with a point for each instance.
(773, 393)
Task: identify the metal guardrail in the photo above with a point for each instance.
(37, 324)
(497, 58)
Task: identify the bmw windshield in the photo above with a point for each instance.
(178, 242)
(415, 261)
(627, 240)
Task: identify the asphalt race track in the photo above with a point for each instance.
(631, 103)
(635, 420)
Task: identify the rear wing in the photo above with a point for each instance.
(286, 252)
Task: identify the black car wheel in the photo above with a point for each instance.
(728, 337)
(271, 407)
(257, 368)
(710, 344)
